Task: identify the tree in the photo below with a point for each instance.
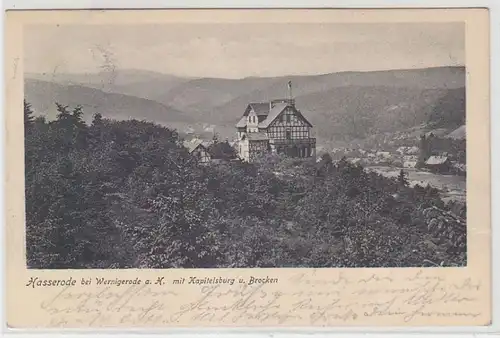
(97, 120)
(127, 194)
(28, 116)
(222, 150)
(403, 178)
(324, 165)
(215, 138)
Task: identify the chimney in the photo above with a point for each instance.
(270, 105)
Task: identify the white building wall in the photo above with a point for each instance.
(252, 123)
(244, 150)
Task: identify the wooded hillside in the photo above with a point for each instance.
(342, 106)
(126, 194)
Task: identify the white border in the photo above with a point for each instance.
(134, 4)
(494, 7)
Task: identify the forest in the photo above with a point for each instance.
(127, 194)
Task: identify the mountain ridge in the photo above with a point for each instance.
(346, 103)
(35, 75)
(43, 95)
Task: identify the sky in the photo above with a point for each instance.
(243, 50)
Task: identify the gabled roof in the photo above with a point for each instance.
(458, 134)
(273, 114)
(260, 108)
(242, 123)
(195, 143)
(436, 160)
(299, 113)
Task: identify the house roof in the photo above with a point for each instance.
(302, 116)
(433, 160)
(242, 123)
(273, 114)
(195, 143)
(257, 136)
(260, 108)
(458, 134)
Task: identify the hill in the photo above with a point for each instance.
(43, 95)
(341, 106)
(127, 194)
(140, 83)
(199, 95)
(356, 111)
(449, 111)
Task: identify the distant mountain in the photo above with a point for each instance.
(352, 112)
(358, 112)
(43, 95)
(199, 95)
(341, 106)
(351, 105)
(140, 83)
(202, 95)
(449, 111)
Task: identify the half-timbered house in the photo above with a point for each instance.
(277, 127)
(199, 149)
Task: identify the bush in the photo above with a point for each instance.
(127, 194)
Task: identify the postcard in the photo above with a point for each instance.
(248, 168)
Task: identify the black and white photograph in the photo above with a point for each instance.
(245, 145)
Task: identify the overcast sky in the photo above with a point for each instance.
(241, 50)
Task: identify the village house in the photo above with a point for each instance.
(277, 127)
(409, 164)
(438, 164)
(384, 154)
(199, 149)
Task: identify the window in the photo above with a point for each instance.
(288, 118)
(288, 134)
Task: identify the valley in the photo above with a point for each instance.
(342, 106)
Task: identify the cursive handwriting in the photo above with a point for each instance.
(303, 299)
